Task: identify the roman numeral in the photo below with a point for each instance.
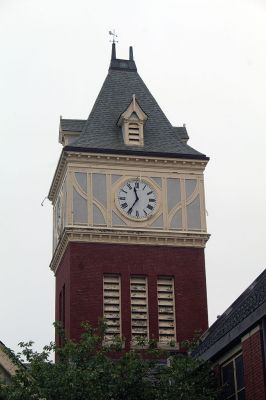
(137, 213)
(144, 187)
(145, 212)
(149, 192)
(129, 211)
(137, 185)
(149, 207)
(124, 205)
(122, 190)
(122, 198)
(152, 200)
(129, 186)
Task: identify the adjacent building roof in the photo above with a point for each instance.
(101, 133)
(248, 309)
(8, 363)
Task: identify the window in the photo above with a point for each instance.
(62, 306)
(62, 312)
(166, 310)
(233, 379)
(112, 306)
(139, 308)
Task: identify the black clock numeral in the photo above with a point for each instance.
(152, 200)
(129, 186)
(145, 212)
(129, 211)
(137, 213)
(122, 190)
(136, 185)
(122, 198)
(124, 205)
(144, 187)
(149, 207)
(149, 192)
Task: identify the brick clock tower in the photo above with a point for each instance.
(129, 226)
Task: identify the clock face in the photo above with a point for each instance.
(136, 199)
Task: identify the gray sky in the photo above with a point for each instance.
(203, 60)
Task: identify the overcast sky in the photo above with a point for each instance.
(203, 60)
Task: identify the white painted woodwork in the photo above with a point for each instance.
(166, 310)
(139, 307)
(112, 306)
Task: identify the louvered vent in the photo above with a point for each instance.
(166, 309)
(139, 307)
(112, 306)
(133, 132)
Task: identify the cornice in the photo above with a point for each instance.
(61, 165)
(118, 160)
(125, 236)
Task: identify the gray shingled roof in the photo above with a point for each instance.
(72, 125)
(101, 133)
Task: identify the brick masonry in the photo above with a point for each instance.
(254, 367)
(83, 265)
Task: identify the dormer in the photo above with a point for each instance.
(70, 130)
(132, 123)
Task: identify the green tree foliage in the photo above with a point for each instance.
(91, 370)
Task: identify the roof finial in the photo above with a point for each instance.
(114, 41)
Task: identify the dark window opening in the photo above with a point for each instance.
(62, 312)
(233, 379)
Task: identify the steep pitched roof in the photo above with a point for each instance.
(101, 132)
(246, 311)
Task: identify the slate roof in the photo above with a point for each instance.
(246, 311)
(72, 125)
(100, 133)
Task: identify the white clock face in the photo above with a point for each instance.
(137, 199)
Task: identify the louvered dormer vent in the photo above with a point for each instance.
(133, 133)
(132, 123)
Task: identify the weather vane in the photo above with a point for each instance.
(114, 36)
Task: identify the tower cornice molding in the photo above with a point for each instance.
(128, 237)
(162, 164)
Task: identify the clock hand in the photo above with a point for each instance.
(135, 190)
(129, 211)
(137, 198)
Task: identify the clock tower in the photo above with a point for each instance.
(129, 227)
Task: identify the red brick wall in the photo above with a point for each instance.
(254, 367)
(84, 264)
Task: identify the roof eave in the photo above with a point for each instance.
(137, 153)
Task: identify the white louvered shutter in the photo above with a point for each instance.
(133, 132)
(112, 306)
(166, 310)
(139, 307)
